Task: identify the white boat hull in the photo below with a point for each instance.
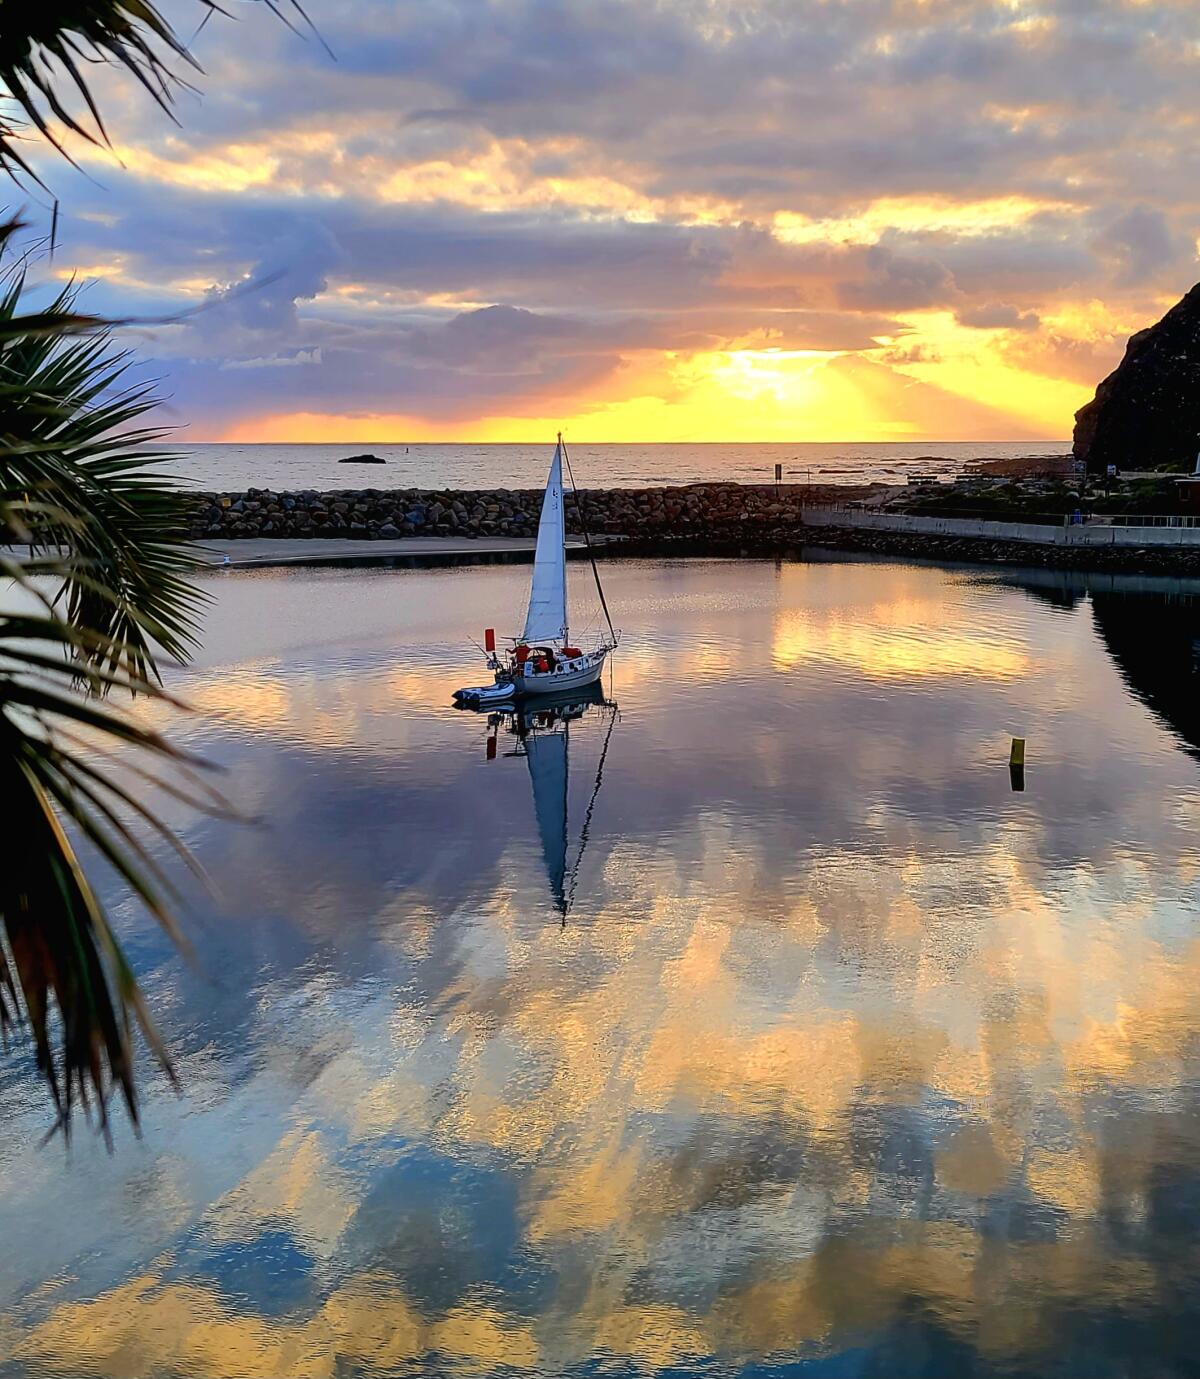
(567, 675)
(529, 683)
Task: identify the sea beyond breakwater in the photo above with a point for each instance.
(695, 519)
(222, 467)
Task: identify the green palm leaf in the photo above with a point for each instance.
(44, 45)
(61, 968)
(71, 452)
(104, 567)
(92, 540)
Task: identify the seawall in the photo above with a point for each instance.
(388, 514)
(724, 518)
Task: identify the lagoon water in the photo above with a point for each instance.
(848, 1059)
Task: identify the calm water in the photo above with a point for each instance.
(847, 1059)
(598, 466)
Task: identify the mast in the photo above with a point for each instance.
(587, 540)
(561, 890)
(587, 818)
(566, 633)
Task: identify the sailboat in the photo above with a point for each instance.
(542, 732)
(543, 660)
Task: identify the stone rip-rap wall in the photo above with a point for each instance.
(386, 514)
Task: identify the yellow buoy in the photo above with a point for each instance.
(1016, 764)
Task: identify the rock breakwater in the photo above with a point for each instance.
(367, 514)
(699, 519)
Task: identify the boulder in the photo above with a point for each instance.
(1146, 413)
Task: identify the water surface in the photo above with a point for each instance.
(847, 1059)
(238, 466)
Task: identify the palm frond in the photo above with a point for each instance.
(45, 46)
(106, 528)
(61, 968)
(104, 574)
(79, 479)
(36, 324)
(41, 45)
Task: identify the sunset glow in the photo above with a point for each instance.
(767, 395)
(717, 223)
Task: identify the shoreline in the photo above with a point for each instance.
(430, 552)
(248, 553)
(945, 550)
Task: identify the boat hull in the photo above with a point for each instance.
(565, 677)
(568, 675)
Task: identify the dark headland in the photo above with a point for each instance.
(1146, 413)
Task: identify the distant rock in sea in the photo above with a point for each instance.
(1146, 413)
(362, 459)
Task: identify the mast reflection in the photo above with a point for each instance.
(540, 731)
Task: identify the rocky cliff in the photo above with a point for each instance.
(1146, 413)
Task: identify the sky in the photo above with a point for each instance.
(646, 220)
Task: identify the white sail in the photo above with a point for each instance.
(546, 620)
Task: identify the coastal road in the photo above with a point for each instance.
(255, 552)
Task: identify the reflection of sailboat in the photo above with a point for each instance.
(542, 660)
(542, 732)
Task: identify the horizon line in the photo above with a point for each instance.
(541, 440)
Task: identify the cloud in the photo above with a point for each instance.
(1140, 244)
(997, 316)
(893, 282)
(276, 361)
(296, 268)
(1058, 355)
(675, 178)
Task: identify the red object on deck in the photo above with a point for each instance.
(489, 639)
(570, 652)
(522, 654)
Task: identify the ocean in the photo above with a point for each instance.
(227, 467)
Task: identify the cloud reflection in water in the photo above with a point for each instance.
(847, 1056)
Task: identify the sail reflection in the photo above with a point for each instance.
(540, 731)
